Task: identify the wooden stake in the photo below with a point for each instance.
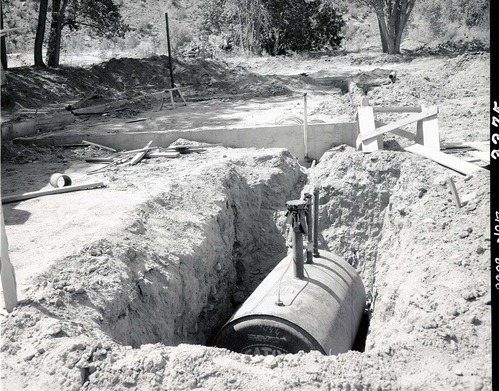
(454, 192)
(8, 275)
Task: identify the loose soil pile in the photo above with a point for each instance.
(119, 286)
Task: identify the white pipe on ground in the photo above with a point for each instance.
(305, 130)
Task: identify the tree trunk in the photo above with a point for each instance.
(384, 40)
(3, 48)
(386, 36)
(54, 49)
(52, 44)
(40, 33)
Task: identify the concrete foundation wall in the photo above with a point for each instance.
(321, 137)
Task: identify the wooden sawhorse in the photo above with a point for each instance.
(170, 90)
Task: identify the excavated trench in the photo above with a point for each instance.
(194, 257)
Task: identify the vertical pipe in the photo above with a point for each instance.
(169, 51)
(298, 254)
(316, 222)
(295, 208)
(308, 198)
(305, 128)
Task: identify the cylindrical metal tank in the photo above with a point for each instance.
(286, 314)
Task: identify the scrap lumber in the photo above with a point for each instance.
(115, 162)
(99, 160)
(40, 193)
(7, 272)
(454, 146)
(399, 132)
(137, 150)
(100, 109)
(98, 146)
(452, 162)
(481, 155)
(397, 124)
(198, 146)
(367, 126)
(130, 121)
(427, 132)
(163, 154)
(483, 146)
(139, 156)
(397, 109)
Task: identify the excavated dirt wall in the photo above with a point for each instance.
(101, 318)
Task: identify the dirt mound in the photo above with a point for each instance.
(127, 78)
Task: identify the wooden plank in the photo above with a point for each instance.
(138, 157)
(137, 150)
(366, 126)
(427, 132)
(454, 146)
(481, 155)
(98, 146)
(452, 162)
(102, 108)
(136, 120)
(397, 109)
(99, 160)
(40, 193)
(399, 132)
(7, 272)
(483, 146)
(402, 122)
(163, 154)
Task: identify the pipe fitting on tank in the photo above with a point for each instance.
(297, 219)
(307, 196)
(316, 223)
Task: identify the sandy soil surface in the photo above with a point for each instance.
(121, 287)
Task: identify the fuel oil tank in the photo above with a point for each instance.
(285, 314)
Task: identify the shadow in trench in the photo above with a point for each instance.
(360, 340)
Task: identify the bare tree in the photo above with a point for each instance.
(2, 39)
(40, 33)
(54, 44)
(102, 16)
(392, 18)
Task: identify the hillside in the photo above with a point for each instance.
(431, 24)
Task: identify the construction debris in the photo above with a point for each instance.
(40, 193)
(99, 146)
(452, 162)
(139, 156)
